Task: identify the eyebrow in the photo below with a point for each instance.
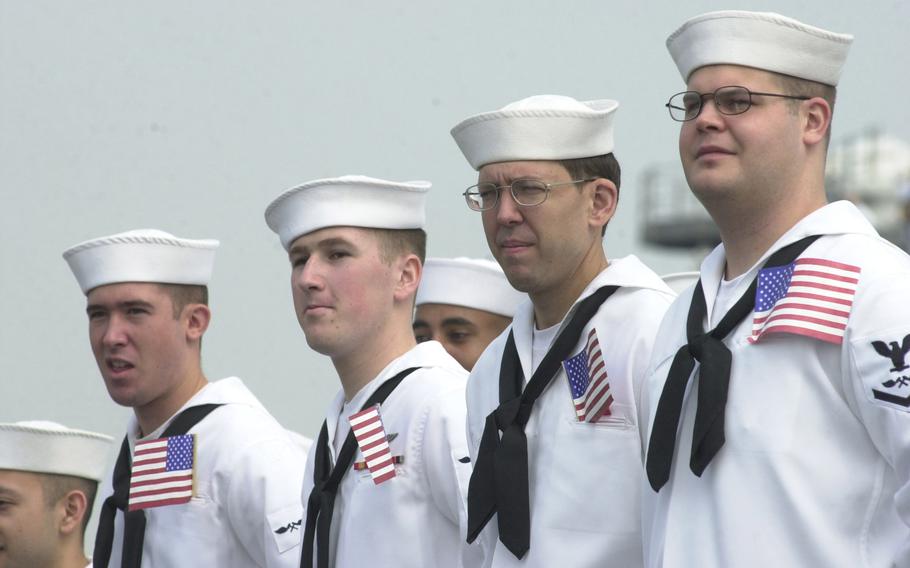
(420, 323)
(457, 321)
(325, 243)
(121, 305)
(6, 491)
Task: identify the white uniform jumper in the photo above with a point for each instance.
(246, 511)
(417, 518)
(815, 466)
(584, 478)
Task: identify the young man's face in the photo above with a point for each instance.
(342, 288)
(539, 247)
(28, 533)
(741, 158)
(139, 345)
(463, 332)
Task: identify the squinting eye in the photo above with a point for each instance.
(691, 103)
(486, 194)
(529, 187)
(458, 336)
(735, 102)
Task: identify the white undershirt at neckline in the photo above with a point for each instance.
(540, 343)
(728, 292)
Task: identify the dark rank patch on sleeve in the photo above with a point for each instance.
(887, 373)
(290, 527)
(897, 353)
(286, 524)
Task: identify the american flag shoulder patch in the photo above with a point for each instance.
(371, 439)
(810, 296)
(163, 472)
(588, 381)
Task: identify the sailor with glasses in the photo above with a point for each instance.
(777, 402)
(553, 401)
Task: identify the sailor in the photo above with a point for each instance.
(386, 478)
(552, 403)
(49, 477)
(205, 473)
(779, 394)
(463, 303)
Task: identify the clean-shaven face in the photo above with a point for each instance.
(463, 332)
(740, 159)
(537, 247)
(28, 534)
(137, 342)
(342, 288)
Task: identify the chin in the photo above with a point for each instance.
(320, 344)
(708, 185)
(124, 398)
(519, 277)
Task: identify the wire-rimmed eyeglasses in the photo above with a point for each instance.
(525, 192)
(731, 100)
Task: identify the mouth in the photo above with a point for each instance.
(514, 246)
(315, 309)
(118, 366)
(712, 152)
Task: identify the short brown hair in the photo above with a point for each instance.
(57, 486)
(396, 242)
(604, 166)
(805, 88)
(184, 294)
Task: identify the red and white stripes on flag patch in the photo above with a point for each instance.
(162, 472)
(811, 297)
(588, 381)
(371, 438)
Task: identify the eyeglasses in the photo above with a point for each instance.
(687, 105)
(525, 192)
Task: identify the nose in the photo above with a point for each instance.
(710, 118)
(507, 211)
(309, 276)
(115, 334)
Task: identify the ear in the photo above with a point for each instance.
(817, 120)
(72, 509)
(603, 202)
(409, 270)
(197, 317)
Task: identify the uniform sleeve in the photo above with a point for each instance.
(264, 500)
(877, 373)
(639, 321)
(473, 422)
(648, 324)
(446, 459)
(484, 374)
(484, 378)
(670, 336)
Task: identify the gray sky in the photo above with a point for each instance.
(191, 117)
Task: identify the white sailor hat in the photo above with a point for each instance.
(48, 447)
(763, 40)
(347, 201)
(468, 282)
(144, 255)
(542, 127)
